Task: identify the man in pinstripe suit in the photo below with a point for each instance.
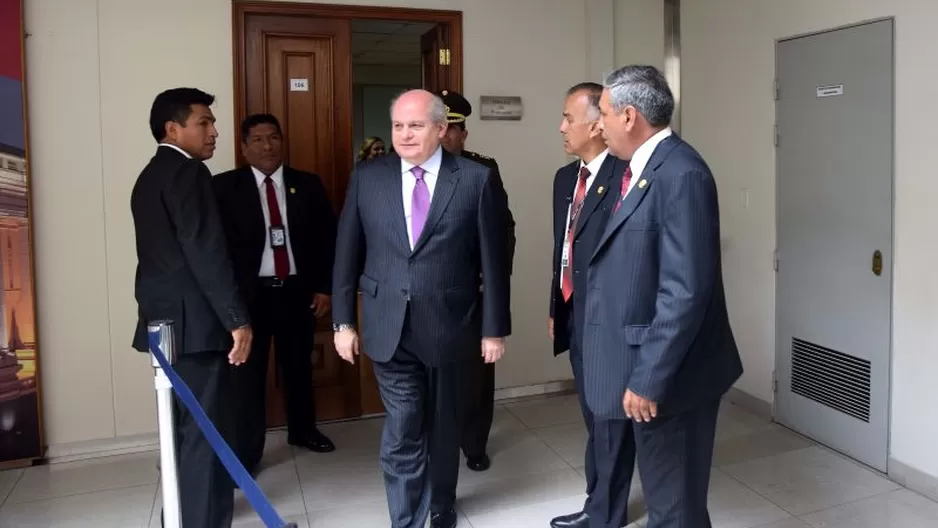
(418, 230)
(658, 347)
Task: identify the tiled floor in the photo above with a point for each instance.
(764, 476)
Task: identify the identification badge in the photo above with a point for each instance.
(565, 256)
(278, 237)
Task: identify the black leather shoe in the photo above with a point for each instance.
(316, 442)
(479, 463)
(446, 519)
(574, 520)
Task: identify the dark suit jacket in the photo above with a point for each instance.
(183, 270)
(656, 319)
(310, 219)
(500, 186)
(463, 237)
(599, 201)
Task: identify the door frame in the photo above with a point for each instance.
(776, 365)
(371, 403)
(241, 10)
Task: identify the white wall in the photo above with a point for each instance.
(94, 67)
(728, 113)
(639, 32)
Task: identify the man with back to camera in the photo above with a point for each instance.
(280, 228)
(480, 410)
(418, 229)
(658, 347)
(184, 275)
(585, 192)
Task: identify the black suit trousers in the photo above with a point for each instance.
(479, 405)
(610, 452)
(420, 440)
(206, 491)
(281, 315)
(675, 453)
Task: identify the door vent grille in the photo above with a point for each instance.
(831, 378)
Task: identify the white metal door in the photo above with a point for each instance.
(834, 161)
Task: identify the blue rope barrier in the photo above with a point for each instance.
(240, 475)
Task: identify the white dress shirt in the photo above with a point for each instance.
(267, 258)
(174, 147)
(593, 167)
(431, 169)
(643, 155)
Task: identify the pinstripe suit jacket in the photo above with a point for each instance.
(655, 308)
(464, 236)
(596, 209)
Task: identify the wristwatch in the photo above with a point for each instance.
(342, 327)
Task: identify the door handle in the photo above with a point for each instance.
(877, 263)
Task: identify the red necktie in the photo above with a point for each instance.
(626, 179)
(566, 276)
(281, 258)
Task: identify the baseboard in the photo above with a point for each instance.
(913, 479)
(753, 404)
(126, 445)
(551, 387)
(123, 445)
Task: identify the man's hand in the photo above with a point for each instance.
(493, 348)
(550, 327)
(637, 408)
(241, 348)
(346, 344)
(321, 304)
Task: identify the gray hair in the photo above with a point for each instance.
(593, 92)
(642, 87)
(437, 107)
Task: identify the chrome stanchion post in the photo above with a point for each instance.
(169, 471)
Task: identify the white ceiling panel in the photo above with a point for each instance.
(387, 42)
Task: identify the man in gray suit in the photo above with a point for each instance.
(418, 230)
(658, 346)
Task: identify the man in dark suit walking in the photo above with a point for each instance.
(480, 410)
(281, 236)
(584, 193)
(184, 275)
(418, 229)
(658, 347)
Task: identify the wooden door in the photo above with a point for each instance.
(437, 59)
(297, 68)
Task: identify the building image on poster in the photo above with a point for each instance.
(20, 425)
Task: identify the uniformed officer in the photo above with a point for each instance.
(480, 407)
(457, 110)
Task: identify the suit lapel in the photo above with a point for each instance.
(639, 189)
(600, 187)
(568, 184)
(442, 194)
(392, 190)
(252, 207)
(291, 198)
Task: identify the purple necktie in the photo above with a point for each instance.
(420, 204)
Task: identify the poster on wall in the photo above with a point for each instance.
(20, 424)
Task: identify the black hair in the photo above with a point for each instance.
(175, 105)
(594, 92)
(258, 119)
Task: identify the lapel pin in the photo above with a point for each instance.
(641, 184)
(292, 190)
(600, 190)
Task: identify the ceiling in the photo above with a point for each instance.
(387, 42)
